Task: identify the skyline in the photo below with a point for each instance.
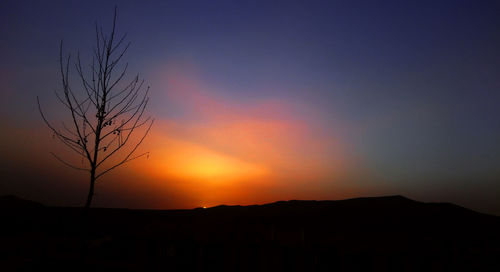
(260, 102)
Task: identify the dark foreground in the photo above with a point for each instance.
(364, 234)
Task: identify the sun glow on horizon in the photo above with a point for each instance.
(202, 164)
(184, 160)
(217, 149)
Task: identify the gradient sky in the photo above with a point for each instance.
(259, 101)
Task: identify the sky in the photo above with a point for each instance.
(260, 101)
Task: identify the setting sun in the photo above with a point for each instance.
(186, 160)
(204, 164)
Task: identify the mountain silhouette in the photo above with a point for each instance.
(14, 202)
(390, 233)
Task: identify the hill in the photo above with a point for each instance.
(14, 202)
(363, 234)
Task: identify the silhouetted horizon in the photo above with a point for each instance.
(389, 233)
(15, 202)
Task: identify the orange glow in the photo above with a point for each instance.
(220, 150)
(184, 160)
(229, 152)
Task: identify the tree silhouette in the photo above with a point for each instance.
(106, 111)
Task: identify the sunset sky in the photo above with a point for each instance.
(260, 101)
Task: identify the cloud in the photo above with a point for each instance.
(241, 130)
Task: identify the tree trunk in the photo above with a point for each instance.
(91, 189)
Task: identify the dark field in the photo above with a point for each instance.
(364, 234)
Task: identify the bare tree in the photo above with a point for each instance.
(106, 111)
